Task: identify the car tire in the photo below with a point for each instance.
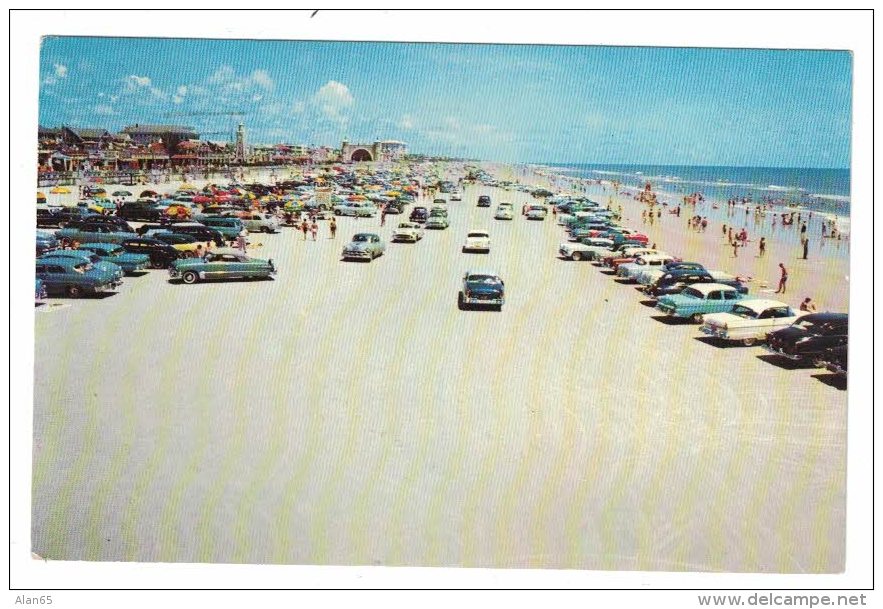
(75, 291)
(157, 264)
(748, 341)
(461, 304)
(576, 256)
(697, 318)
(190, 277)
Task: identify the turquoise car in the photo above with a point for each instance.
(85, 256)
(229, 227)
(700, 299)
(74, 278)
(221, 264)
(115, 254)
(95, 234)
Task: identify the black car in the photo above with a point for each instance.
(674, 282)
(200, 231)
(393, 208)
(834, 359)
(809, 336)
(46, 218)
(139, 212)
(484, 201)
(90, 222)
(66, 215)
(419, 214)
(161, 254)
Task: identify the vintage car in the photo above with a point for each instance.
(255, 222)
(834, 359)
(626, 255)
(697, 301)
(393, 208)
(409, 232)
(188, 245)
(94, 233)
(74, 277)
(586, 249)
(630, 270)
(88, 256)
(116, 254)
(229, 227)
(161, 254)
(140, 211)
(650, 275)
(481, 288)
(485, 201)
(456, 196)
(46, 218)
(750, 321)
(437, 220)
(536, 212)
(673, 282)
(504, 212)
(808, 337)
(116, 224)
(221, 264)
(419, 214)
(477, 241)
(200, 231)
(364, 246)
(362, 209)
(68, 214)
(46, 242)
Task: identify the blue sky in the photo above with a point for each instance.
(496, 102)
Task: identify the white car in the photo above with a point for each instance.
(504, 212)
(630, 270)
(587, 249)
(456, 196)
(750, 320)
(536, 212)
(477, 241)
(408, 231)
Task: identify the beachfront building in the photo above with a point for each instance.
(389, 150)
(169, 135)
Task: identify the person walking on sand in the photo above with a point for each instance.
(805, 240)
(314, 229)
(730, 234)
(762, 247)
(332, 226)
(304, 227)
(783, 279)
(241, 240)
(735, 248)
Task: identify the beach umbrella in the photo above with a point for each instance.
(60, 190)
(187, 186)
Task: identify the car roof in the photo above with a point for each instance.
(479, 230)
(761, 304)
(705, 288)
(826, 317)
(481, 272)
(227, 251)
(89, 246)
(67, 262)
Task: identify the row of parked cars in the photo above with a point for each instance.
(720, 303)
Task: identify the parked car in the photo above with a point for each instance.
(650, 275)
(94, 233)
(392, 208)
(674, 282)
(200, 231)
(46, 218)
(808, 337)
(161, 254)
(364, 246)
(588, 248)
(504, 212)
(481, 288)
(630, 270)
(256, 222)
(116, 224)
(89, 256)
(66, 214)
(750, 321)
(39, 291)
(116, 254)
(229, 227)
(221, 264)
(485, 201)
(46, 242)
(188, 245)
(626, 255)
(140, 212)
(536, 212)
(362, 209)
(834, 359)
(419, 214)
(456, 196)
(74, 277)
(477, 241)
(697, 301)
(410, 232)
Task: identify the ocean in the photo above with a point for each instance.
(825, 190)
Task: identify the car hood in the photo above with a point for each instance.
(357, 246)
(678, 300)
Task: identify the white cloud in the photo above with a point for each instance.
(158, 93)
(104, 109)
(60, 70)
(222, 74)
(177, 99)
(298, 107)
(262, 79)
(141, 81)
(332, 98)
(256, 97)
(182, 90)
(406, 122)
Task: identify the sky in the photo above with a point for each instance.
(512, 103)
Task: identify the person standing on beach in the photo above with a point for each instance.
(762, 247)
(724, 229)
(304, 227)
(730, 234)
(805, 240)
(241, 239)
(314, 229)
(332, 226)
(735, 248)
(783, 279)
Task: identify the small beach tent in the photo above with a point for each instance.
(146, 194)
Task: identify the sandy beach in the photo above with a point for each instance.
(349, 414)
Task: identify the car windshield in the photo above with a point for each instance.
(362, 238)
(744, 312)
(82, 267)
(113, 253)
(804, 324)
(478, 235)
(488, 279)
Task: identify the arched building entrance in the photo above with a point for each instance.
(361, 155)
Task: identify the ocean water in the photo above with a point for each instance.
(825, 190)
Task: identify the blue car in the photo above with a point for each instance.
(74, 278)
(46, 242)
(39, 291)
(85, 256)
(116, 254)
(698, 300)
